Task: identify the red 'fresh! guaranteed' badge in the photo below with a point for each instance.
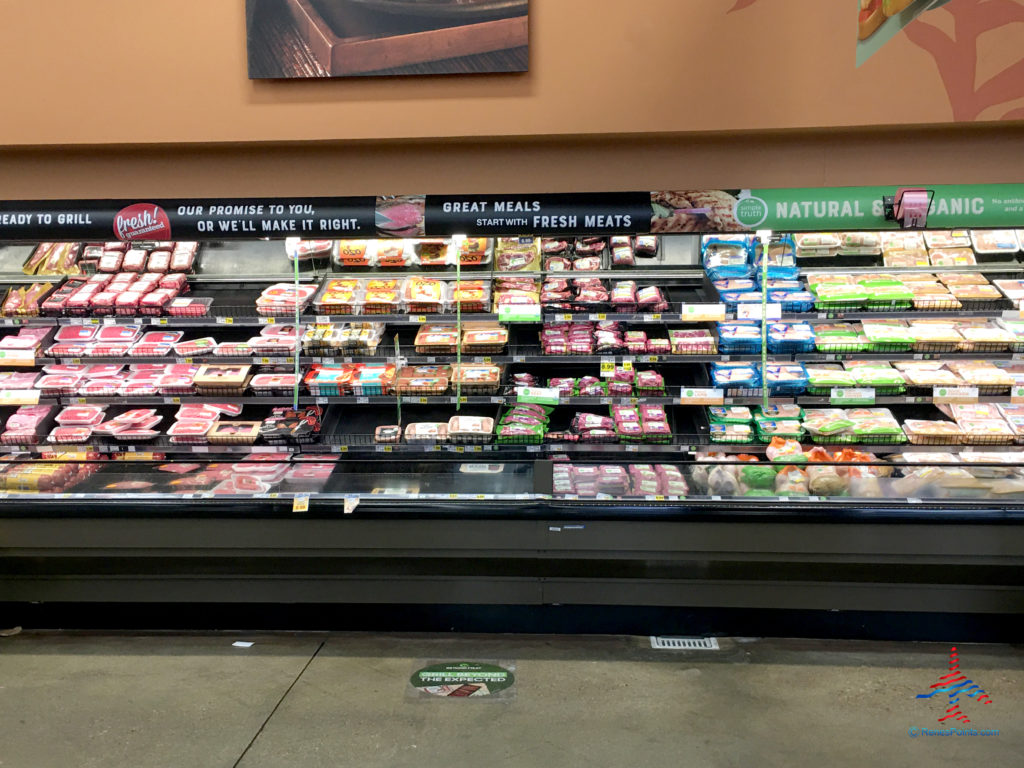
(142, 221)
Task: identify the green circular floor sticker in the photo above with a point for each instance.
(460, 679)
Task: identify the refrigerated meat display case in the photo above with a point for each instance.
(623, 406)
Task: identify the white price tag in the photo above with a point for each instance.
(849, 396)
(753, 311)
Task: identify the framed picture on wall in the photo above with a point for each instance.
(348, 38)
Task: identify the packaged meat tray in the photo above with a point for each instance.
(81, 416)
(484, 338)
(995, 241)
(356, 253)
(69, 435)
(476, 379)
(269, 385)
(817, 244)
(470, 429)
(154, 302)
(340, 296)
(472, 295)
(952, 257)
(424, 294)
(298, 249)
(434, 252)
(945, 238)
(920, 432)
(517, 254)
(396, 254)
(383, 297)
(387, 434)
(420, 385)
(437, 340)
(215, 380)
(475, 251)
(284, 298)
(190, 307)
(426, 432)
(233, 433)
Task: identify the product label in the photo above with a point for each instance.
(844, 396)
(955, 395)
(702, 313)
(702, 397)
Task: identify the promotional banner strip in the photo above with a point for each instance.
(666, 212)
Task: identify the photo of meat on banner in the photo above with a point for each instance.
(401, 215)
(346, 38)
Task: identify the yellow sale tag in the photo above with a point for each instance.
(300, 504)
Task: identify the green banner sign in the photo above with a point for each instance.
(853, 208)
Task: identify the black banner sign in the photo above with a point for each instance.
(546, 214)
(103, 220)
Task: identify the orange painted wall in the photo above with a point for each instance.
(174, 71)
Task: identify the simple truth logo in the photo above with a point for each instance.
(955, 684)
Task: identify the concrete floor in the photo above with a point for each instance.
(292, 701)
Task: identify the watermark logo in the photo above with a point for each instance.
(955, 684)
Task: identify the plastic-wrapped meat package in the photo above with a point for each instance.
(620, 389)
(26, 424)
(586, 423)
(587, 264)
(592, 294)
(825, 481)
(585, 479)
(622, 256)
(624, 413)
(636, 342)
(81, 416)
(722, 482)
(127, 303)
(176, 281)
(590, 246)
(607, 341)
(159, 261)
(646, 245)
(622, 374)
(659, 347)
(135, 260)
(557, 264)
(649, 382)
(69, 435)
(623, 296)
(111, 261)
(182, 259)
(791, 481)
(562, 480)
(630, 429)
(154, 302)
(590, 387)
(565, 386)
(524, 380)
(613, 480)
(645, 480)
(554, 247)
(651, 299)
(18, 380)
(672, 481)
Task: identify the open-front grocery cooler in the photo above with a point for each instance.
(594, 399)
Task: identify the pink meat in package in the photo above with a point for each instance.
(26, 424)
(613, 479)
(645, 480)
(18, 380)
(672, 481)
